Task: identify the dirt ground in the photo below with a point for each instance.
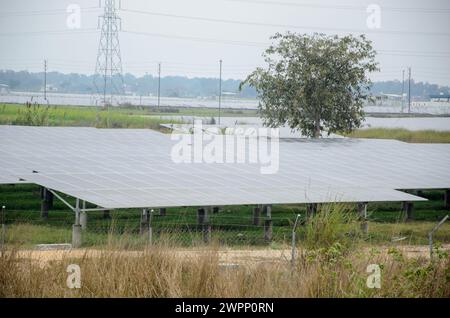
(226, 256)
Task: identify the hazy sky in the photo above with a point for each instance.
(186, 36)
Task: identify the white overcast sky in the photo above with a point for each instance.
(413, 33)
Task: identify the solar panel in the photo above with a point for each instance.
(132, 168)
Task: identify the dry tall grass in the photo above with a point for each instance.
(332, 223)
(332, 263)
(327, 272)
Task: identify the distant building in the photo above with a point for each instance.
(50, 88)
(229, 94)
(4, 89)
(440, 98)
(387, 100)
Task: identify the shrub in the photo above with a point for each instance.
(332, 223)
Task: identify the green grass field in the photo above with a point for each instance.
(114, 117)
(424, 136)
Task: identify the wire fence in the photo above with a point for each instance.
(236, 226)
(128, 228)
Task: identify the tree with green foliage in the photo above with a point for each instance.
(314, 83)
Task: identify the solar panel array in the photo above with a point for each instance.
(115, 168)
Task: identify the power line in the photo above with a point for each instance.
(43, 12)
(343, 7)
(266, 44)
(209, 68)
(49, 32)
(413, 54)
(288, 26)
(428, 68)
(427, 53)
(212, 40)
(199, 39)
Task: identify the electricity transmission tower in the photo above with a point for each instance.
(108, 79)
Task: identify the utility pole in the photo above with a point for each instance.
(220, 88)
(159, 85)
(45, 79)
(409, 89)
(403, 88)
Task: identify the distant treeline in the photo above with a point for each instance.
(176, 86)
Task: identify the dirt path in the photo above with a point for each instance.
(226, 256)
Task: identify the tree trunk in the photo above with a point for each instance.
(317, 132)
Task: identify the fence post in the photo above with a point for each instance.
(206, 226)
(407, 210)
(256, 215)
(268, 224)
(430, 235)
(200, 216)
(362, 211)
(150, 228)
(293, 240)
(143, 230)
(46, 202)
